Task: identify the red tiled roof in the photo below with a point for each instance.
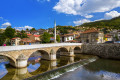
(29, 34)
(72, 41)
(27, 40)
(14, 38)
(90, 31)
(37, 35)
(107, 36)
(77, 37)
(67, 35)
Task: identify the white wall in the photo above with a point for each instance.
(68, 38)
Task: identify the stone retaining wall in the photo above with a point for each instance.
(102, 50)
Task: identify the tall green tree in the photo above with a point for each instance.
(45, 37)
(33, 29)
(2, 38)
(9, 32)
(58, 38)
(27, 29)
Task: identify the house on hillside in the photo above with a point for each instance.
(108, 37)
(26, 41)
(67, 37)
(15, 41)
(92, 36)
(115, 35)
(41, 31)
(34, 38)
(35, 32)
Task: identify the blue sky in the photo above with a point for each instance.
(22, 14)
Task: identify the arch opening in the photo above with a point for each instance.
(7, 60)
(77, 50)
(35, 57)
(61, 52)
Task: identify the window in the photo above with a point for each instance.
(67, 38)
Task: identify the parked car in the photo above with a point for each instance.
(117, 42)
(109, 42)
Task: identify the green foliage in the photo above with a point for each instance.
(2, 38)
(33, 29)
(64, 29)
(51, 35)
(109, 24)
(45, 37)
(9, 32)
(116, 37)
(27, 29)
(58, 38)
(22, 34)
(7, 35)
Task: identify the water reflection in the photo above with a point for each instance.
(104, 65)
(37, 66)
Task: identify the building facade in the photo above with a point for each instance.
(92, 36)
(15, 41)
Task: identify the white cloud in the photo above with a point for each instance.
(85, 7)
(23, 28)
(89, 16)
(79, 22)
(1, 17)
(6, 24)
(111, 15)
(43, 0)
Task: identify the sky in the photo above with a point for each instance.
(22, 14)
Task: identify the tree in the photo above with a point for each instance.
(33, 29)
(2, 38)
(58, 38)
(45, 37)
(27, 29)
(9, 32)
(22, 34)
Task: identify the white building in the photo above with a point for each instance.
(67, 37)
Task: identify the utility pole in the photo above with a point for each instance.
(55, 32)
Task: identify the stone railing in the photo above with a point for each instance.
(23, 47)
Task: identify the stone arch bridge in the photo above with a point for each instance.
(19, 55)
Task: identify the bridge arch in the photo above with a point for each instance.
(44, 54)
(77, 49)
(62, 51)
(11, 59)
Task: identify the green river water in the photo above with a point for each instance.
(88, 68)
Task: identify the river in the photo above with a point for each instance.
(89, 68)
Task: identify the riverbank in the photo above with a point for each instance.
(61, 70)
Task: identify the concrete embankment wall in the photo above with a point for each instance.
(102, 50)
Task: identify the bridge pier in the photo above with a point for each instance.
(52, 55)
(21, 61)
(71, 52)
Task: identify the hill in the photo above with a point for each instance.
(111, 24)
